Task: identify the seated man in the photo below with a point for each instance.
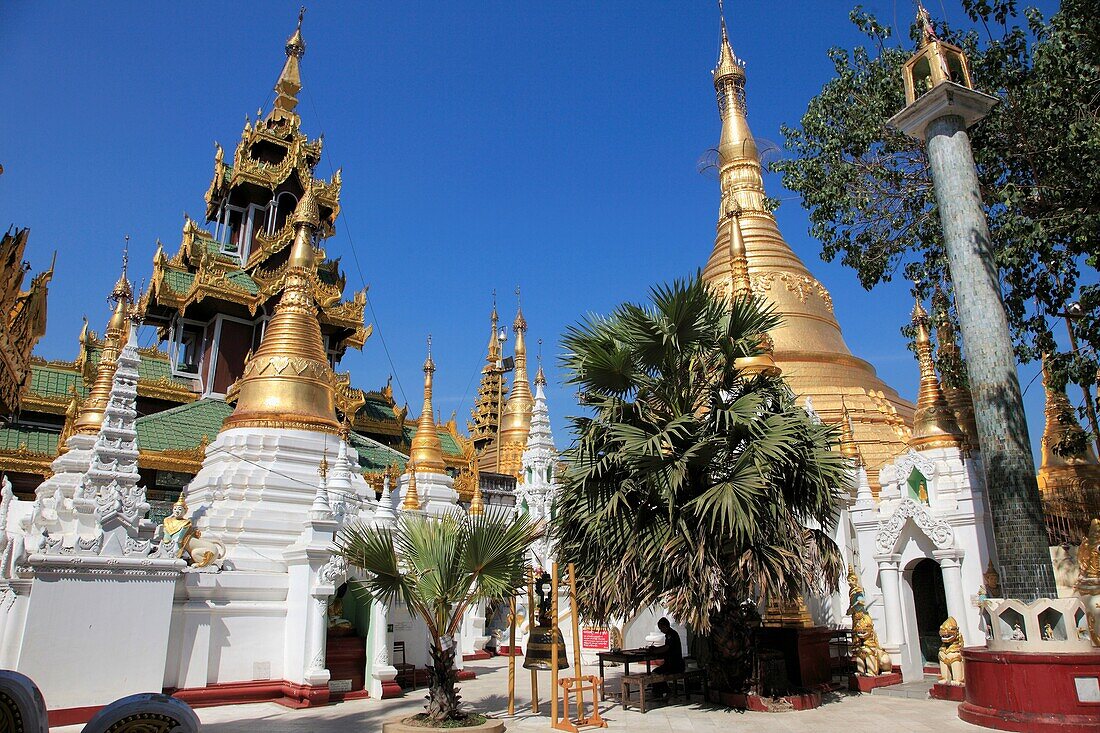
(673, 659)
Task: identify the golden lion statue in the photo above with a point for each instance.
(1088, 580)
(951, 658)
(870, 658)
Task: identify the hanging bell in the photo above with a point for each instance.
(540, 650)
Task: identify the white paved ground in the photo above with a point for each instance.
(489, 693)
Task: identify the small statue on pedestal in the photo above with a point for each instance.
(951, 660)
(337, 624)
(870, 658)
(178, 529)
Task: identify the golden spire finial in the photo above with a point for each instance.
(934, 423)
(95, 404)
(427, 450)
(728, 65)
(540, 377)
(288, 380)
(928, 31)
(290, 78)
(411, 502)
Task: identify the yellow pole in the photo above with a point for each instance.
(576, 638)
(512, 655)
(530, 626)
(554, 643)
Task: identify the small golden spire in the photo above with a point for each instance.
(848, 446)
(741, 287)
(477, 505)
(516, 424)
(288, 381)
(486, 413)
(934, 424)
(411, 502)
(954, 386)
(95, 404)
(427, 451)
(290, 78)
(1060, 423)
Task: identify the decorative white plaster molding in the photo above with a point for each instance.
(936, 529)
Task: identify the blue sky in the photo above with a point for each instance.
(483, 145)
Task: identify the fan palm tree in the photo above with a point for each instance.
(438, 568)
(693, 482)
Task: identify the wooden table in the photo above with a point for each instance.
(648, 655)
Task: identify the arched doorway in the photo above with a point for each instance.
(930, 607)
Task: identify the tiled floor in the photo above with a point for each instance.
(488, 693)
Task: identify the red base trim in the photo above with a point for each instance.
(391, 689)
(345, 696)
(290, 694)
(866, 684)
(466, 674)
(1028, 723)
(955, 693)
(72, 716)
(759, 704)
(1029, 691)
(506, 650)
(476, 656)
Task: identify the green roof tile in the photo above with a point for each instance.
(242, 280)
(178, 280)
(376, 409)
(53, 381)
(150, 369)
(373, 456)
(36, 440)
(183, 427)
(446, 440)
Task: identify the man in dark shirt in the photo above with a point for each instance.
(673, 655)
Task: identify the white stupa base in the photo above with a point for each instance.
(435, 491)
(255, 490)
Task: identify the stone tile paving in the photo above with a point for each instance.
(488, 693)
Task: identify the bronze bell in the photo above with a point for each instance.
(539, 646)
(539, 649)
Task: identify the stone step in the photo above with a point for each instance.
(912, 690)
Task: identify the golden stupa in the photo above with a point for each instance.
(94, 407)
(515, 425)
(288, 382)
(1074, 472)
(809, 347)
(426, 451)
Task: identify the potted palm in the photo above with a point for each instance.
(437, 568)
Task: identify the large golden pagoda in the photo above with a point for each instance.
(809, 347)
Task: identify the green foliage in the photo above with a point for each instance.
(691, 483)
(437, 568)
(869, 193)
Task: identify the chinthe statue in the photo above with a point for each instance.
(951, 659)
(870, 658)
(178, 529)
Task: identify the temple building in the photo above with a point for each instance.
(922, 546)
(809, 346)
(210, 304)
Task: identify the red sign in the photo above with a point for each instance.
(596, 638)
